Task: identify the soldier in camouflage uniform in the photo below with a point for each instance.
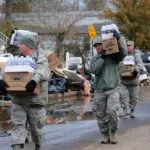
(30, 108)
(130, 85)
(106, 96)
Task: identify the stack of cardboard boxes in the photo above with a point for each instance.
(17, 73)
(110, 44)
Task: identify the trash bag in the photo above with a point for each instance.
(145, 58)
(57, 85)
(73, 67)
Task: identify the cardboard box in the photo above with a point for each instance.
(2, 64)
(17, 82)
(111, 46)
(127, 71)
(21, 90)
(18, 77)
(126, 74)
(53, 59)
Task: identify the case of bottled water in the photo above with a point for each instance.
(20, 64)
(107, 31)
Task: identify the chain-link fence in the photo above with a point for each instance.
(3, 42)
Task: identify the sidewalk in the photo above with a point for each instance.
(133, 139)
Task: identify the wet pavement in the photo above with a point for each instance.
(79, 134)
(79, 109)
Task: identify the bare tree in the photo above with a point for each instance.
(94, 4)
(8, 9)
(56, 18)
(78, 46)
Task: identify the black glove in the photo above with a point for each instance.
(3, 86)
(103, 54)
(31, 85)
(135, 73)
(116, 34)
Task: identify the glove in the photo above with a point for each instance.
(116, 34)
(103, 54)
(31, 85)
(3, 86)
(135, 73)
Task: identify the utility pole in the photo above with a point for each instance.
(8, 10)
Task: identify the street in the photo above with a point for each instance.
(84, 135)
(66, 63)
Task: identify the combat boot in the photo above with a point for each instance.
(106, 139)
(124, 113)
(113, 139)
(38, 147)
(132, 113)
(16, 147)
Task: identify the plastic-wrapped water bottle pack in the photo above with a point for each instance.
(107, 31)
(18, 34)
(21, 61)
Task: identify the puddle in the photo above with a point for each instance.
(5, 116)
(78, 109)
(68, 109)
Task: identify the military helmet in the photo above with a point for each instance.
(97, 40)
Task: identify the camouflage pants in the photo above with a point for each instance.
(106, 107)
(124, 97)
(36, 118)
(129, 94)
